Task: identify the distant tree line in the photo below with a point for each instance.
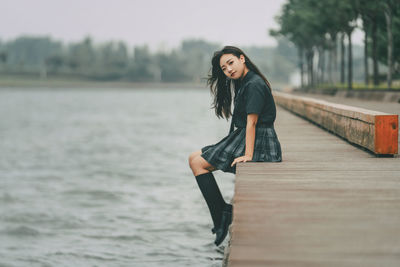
(319, 29)
(190, 62)
(115, 61)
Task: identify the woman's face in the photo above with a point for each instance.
(232, 66)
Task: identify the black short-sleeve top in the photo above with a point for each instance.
(253, 96)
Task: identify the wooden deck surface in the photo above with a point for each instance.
(328, 203)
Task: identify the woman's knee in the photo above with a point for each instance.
(192, 156)
(199, 165)
(190, 159)
(196, 164)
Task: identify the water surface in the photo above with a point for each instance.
(100, 177)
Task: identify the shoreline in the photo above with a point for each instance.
(26, 82)
(16, 81)
(45, 84)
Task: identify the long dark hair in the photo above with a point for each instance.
(221, 86)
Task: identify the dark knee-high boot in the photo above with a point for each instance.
(216, 204)
(212, 195)
(222, 230)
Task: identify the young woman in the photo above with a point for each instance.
(251, 137)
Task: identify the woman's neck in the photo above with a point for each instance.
(246, 70)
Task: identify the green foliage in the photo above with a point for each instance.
(277, 63)
(190, 62)
(26, 53)
(198, 55)
(383, 39)
(313, 25)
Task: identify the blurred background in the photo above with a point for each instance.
(128, 41)
(131, 41)
(101, 103)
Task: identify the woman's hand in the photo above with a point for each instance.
(250, 137)
(241, 159)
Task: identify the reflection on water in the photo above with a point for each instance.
(100, 178)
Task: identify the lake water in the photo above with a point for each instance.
(100, 177)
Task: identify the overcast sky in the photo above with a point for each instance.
(162, 24)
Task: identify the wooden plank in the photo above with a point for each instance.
(326, 204)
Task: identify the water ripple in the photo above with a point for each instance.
(97, 178)
(21, 231)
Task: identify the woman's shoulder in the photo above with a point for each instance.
(254, 78)
(256, 82)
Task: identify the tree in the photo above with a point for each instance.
(141, 66)
(28, 54)
(313, 26)
(371, 13)
(389, 7)
(54, 63)
(197, 57)
(382, 48)
(81, 57)
(296, 24)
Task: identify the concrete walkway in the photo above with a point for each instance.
(328, 203)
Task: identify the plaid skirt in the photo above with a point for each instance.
(222, 154)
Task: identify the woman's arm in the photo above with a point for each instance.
(250, 139)
(250, 134)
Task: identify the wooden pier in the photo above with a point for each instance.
(329, 203)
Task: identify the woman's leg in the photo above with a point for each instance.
(198, 164)
(202, 170)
